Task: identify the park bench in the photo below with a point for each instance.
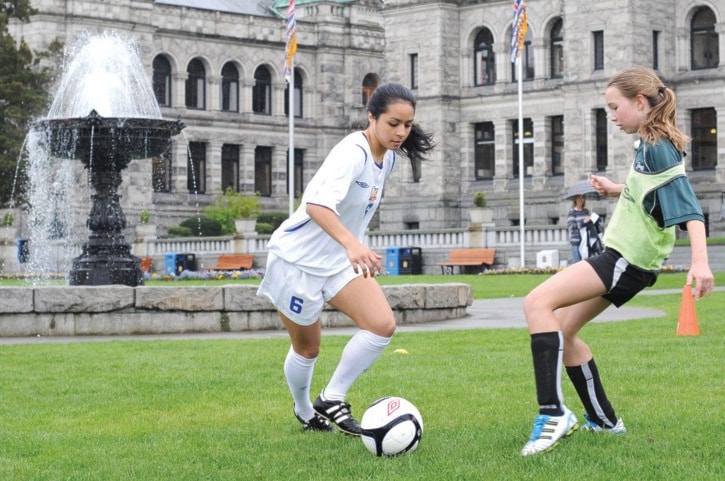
(464, 258)
(233, 262)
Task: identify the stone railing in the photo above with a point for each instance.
(122, 310)
(544, 236)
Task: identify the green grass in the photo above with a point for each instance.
(220, 409)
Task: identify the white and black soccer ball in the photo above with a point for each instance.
(391, 426)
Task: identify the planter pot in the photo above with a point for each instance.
(481, 215)
(8, 233)
(146, 231)
(245, 226)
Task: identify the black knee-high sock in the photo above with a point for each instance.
(591, 392)
(547, 349)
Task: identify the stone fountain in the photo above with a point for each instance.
(105, 115)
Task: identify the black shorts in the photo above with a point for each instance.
(622, 280)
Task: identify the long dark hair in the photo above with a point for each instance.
(418, 141)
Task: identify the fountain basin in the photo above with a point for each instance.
(125, 310)
(107, 142)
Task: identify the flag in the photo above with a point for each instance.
(518, 29)
(291, 35)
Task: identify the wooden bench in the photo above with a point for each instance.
(233, 262)
(468, 258)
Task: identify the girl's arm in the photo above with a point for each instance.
(360, 255)
(699, 267)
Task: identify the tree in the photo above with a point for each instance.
(23, 94)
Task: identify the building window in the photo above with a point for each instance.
(162, 81)
(704, 48)
(598, 41)
(556, 48)
(369, 84)
(557, 144)
(655, 49)
(196, 168)
(230, 167)
(527, 57)
(600, 134)
(528, 147)
(704, 139)
(262, 92)
(161, 172)
(485, 151)
(195, 85)
(299, 158)
(484, 59)
(413, 70)
(230, 88)
(297, 99)
(263, 170)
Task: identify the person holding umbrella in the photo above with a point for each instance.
(583, 226)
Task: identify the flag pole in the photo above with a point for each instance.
(291, 153)
(289, 75)
(521, 162)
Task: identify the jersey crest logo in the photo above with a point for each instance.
(374, 194)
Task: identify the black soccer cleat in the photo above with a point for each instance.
(317, 423)
(338, 413)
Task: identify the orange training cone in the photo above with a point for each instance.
(687, 323)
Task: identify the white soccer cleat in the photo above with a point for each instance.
(548, 430)
(616, 430)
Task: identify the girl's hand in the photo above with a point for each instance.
(605, 187)
(702, 276)
(361, 257)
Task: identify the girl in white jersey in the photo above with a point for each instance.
(654, 199)
(317, 256)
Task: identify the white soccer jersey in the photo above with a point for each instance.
(351, 184)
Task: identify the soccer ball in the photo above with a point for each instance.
(391, 426)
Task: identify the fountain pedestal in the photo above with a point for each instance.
(106, 146)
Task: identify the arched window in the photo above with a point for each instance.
(527, 59)
(162, 80)
(262, 91)
(369, 84)
(195, 85)
(704, 48)
(484, 59)
(297, 99)
(556, 49)
(230, 88)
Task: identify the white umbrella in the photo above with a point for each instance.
(583, 187)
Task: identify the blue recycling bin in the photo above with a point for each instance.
(170, 264)
(392, 261)
(23, 250)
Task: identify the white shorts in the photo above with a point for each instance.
(298, 295)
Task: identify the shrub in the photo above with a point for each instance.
(233, 205)
(479, 199)
(274, 219)
(179, 231)
(264, 228)
(203, 226)
(8, 219)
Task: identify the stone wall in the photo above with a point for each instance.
(122, 310)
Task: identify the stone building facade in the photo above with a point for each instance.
(218, 65)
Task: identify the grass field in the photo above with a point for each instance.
(220, 409)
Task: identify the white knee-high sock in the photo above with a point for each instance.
(359, 354)
(298, 370)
